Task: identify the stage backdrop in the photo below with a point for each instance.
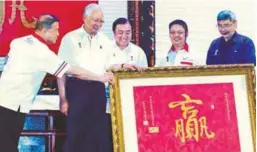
(18, 17)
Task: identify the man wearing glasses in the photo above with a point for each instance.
(180, 53)
(231, 47)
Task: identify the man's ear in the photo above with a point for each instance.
(85, 18)
(43, 30)
(186, 34)
(235, 24)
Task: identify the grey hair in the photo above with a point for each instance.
(226, 15)
(46, 21)
(90, 8)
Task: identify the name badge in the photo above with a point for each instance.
(186, 61)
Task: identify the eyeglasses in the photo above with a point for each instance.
(176, 32)
(220, 26)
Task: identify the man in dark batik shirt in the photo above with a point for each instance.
(231, 47)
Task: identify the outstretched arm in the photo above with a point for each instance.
(84, 74)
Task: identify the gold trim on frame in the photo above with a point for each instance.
(237, 69)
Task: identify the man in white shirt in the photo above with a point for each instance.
(179, 54)
(124, 51)
(27, 63)
(88, 126)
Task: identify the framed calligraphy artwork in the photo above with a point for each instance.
(184, 109)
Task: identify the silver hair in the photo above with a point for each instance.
(90, 8)
(226, 15)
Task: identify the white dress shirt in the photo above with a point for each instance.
(183, 57)
(132, 54)
(28, 61)
(79, 49)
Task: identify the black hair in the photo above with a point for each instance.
(180, 22)
(120, 20)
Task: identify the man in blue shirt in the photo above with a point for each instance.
(231, 47)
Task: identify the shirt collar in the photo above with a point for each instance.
(40, 38)
(186, 48)
(126, 49)
(233, 38)
(86, 34)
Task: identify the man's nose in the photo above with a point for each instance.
(98, 23)
(176, 34)
(222, 30)
(124, 35)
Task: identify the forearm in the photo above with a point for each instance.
(83, 74)
(61, 87)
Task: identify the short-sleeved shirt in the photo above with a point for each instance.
(238, 50)
(28, 61)
(185, 56)
(132, 54)
(78, 48)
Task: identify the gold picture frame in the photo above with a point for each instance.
(124, 113)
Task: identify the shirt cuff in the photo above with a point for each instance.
(62, 70)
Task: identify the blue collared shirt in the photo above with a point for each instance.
(238, 50)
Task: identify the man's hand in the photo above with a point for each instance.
(107, 77)
(133, 67)
(64, 105)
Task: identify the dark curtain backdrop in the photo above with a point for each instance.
(142, 16)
